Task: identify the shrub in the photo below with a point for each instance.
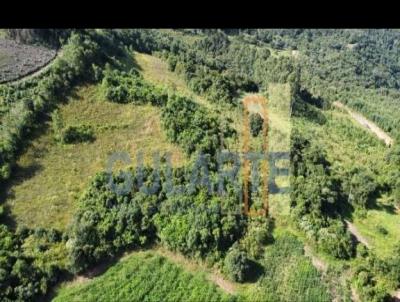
(257, 236)
(236, 265)
(256, 124)
(336, 240)
(382, 230)
(130, 87)
(77, 134)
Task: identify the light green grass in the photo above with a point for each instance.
(143, 276)
(155, 70)
(52, 176)
(368, 227)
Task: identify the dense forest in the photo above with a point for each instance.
(361, 68)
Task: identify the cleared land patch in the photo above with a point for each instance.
(366, 124)
(50, 176)
(18, 60)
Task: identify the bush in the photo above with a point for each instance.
(236, 265)
(256, 124)
(382, 230)
(257, 236)
(130, 87)
(77, 134)
(336, 240)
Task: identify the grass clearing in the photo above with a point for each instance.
(143, 276)
(372, 227)
(50, 177)
(155, 70)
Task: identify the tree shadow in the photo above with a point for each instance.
(307, 97)
(309, 112)
(20, 174)
(256, 270)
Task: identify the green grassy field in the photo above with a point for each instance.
(50, 176)
(370, 226)
(156, 71)
(143, 276)
(288, 274)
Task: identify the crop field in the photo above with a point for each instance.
(297, 280)
(144, 276)
(18, 60)
(51, 176)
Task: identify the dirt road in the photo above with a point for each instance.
(367, 124)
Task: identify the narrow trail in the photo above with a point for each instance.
(354, 295)
(367, 124)
(352, 229)
(396, 296)
(318, 263)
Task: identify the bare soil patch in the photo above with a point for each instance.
(19, 60)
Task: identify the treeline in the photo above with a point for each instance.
(221, 69)
(48, 37)
(357, 67)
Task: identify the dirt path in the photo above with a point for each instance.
(354, 295)
(212, 275)
(318, 263)
(352, 229)
(367, 124)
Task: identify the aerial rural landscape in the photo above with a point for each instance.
(200, 165)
